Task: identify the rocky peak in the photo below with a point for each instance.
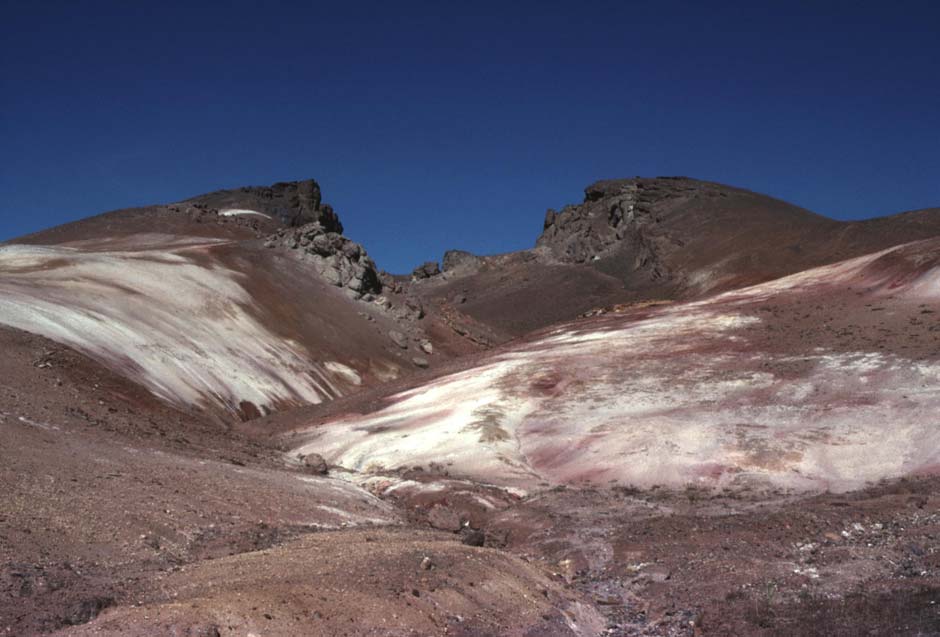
(622, 219)
(614, 210)
(290, 203)
(579, 233)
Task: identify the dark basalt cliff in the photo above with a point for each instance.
(293, 203)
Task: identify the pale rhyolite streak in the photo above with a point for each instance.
(675, 399)
(178, 325)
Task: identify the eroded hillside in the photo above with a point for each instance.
(689, 410)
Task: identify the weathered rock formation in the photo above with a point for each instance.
(292, 203)
(620, 216)
(426, 270)
(339, 260)
(460, 261)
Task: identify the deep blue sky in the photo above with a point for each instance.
(437, 125)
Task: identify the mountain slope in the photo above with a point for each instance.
(251, 300)
(676, 461)
(655, 239)
(790, 383)
(232, 310)
(241, 213)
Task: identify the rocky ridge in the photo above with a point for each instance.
(615, 212)
(339, 260)
(292, 203)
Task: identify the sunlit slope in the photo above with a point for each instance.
(200, 322)
(825, 379)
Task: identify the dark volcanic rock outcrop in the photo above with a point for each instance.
(220, 303)
(293, 203)
(666, 231)
(426, 270)
(680, 237)
(340, 261)
(461, 261)
(612, 212)
(654, 239)
(249, 212)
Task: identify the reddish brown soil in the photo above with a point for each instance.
(136, 511)
(122, 515)
(693, 563)
(117, 505)
(701, 238)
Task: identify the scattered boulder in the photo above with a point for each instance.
(410, 310)
(460, 261)
(444, 518)
(86, 610)
(427, 564)
(389, 282)
(315, 463)
(472, 537)
(427, 347)
(420, 361)
(399, 339)
(426, 270)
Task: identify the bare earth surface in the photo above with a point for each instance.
(786, 384)
(216, 418)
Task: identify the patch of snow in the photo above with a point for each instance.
(345, 372)
(241, 212)
(673, 399)
(178, 324)
(40, 425)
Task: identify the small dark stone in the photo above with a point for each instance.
(314, 463)
(472, 537)
(86, 610)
